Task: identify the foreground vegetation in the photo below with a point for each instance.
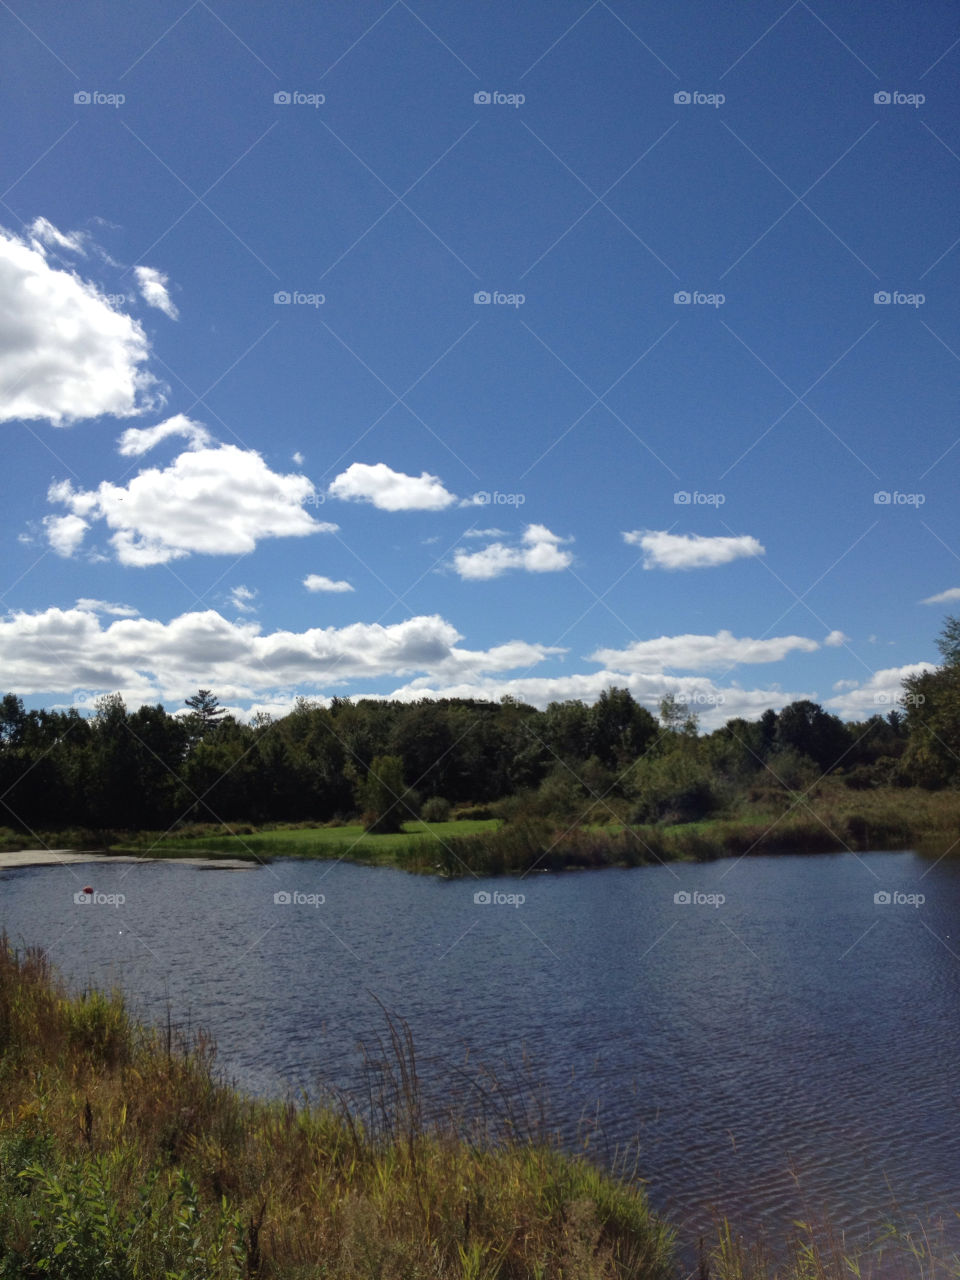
(123, 1156)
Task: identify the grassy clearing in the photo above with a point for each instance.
(123, 1157)
(351, 842)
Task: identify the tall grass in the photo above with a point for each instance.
(124, 1157)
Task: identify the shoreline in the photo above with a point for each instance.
(14, 858)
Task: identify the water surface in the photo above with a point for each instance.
(791, 1051)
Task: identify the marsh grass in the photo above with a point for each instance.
(817, 1250)
(123, 1156)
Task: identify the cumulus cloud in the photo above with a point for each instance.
(317, 582)
(664, 550)
(713, 704)
(701, 653)
(539, 552)
(944, 597)
(138, 440)
(213, 501)
(876, 696)
(835, 639)
(148, 660)
(390, 490)
(65, 353)
(153, 287)
(65, 533)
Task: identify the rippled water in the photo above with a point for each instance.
(791, 1051)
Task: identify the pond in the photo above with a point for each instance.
(778, 1037)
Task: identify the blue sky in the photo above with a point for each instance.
(385, 486)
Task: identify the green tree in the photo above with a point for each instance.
(806, 728)
(380, 796)
(932, 705)
(206, 710)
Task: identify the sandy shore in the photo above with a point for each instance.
(61, 857)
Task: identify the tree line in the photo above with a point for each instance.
(384, 761)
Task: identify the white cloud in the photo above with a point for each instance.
(664, 550)
(65, 353)
(43, 232)
(485, 533)
(241, 597)
(539, 552)
(835, 639)
(138, 440)
(701, 653)
(65, 533)
(876, 696)
(944, 597)
(391, 490)
(215, 501)
(298, 458)
(153, 286)
(147, 660)
(713, 704)
(317, 582)
(104, 606)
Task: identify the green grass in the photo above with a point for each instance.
(123, 1157)
(426, 839)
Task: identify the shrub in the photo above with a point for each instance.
(436, 809)
(474, 813)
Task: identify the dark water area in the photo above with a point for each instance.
(791, 1051)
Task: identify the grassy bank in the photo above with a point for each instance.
(831, 819)
(123, 1158)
